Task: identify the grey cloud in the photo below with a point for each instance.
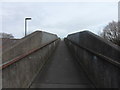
(59, 18)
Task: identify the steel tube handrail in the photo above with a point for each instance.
(16, 59)
(114, 62)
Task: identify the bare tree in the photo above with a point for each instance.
(5, 35)
(112, 32)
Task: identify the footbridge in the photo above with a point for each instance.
(43, 60)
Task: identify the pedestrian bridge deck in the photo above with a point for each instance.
(61, 71)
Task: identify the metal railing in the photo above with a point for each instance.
(18, 58)
(114, 62)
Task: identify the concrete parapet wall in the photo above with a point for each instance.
(8, 43)
(93, 42)
(99, 58)
(21, 73)
(32, 41)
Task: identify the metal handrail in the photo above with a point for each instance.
(114, 62)
(16, 59)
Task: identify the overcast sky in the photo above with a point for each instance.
(59, 18)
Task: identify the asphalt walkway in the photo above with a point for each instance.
(61, 71)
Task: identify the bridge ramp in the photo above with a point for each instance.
(61, 71)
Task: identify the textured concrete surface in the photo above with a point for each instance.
(94, 42)
(7, 43)
(32, 41)
(61, 71)
(104, 73)
(21, 73)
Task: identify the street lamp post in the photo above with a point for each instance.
(26, 25)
